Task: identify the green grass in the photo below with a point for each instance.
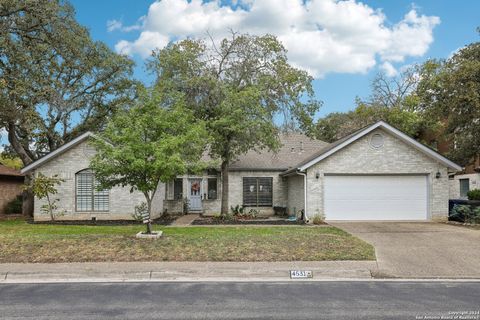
(23, 242)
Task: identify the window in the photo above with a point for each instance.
(464, 187)
(88, 198)
(212, 188)
(178, 189)
(257, 192)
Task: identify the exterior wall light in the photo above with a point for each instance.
(438, 175)
(317, 175)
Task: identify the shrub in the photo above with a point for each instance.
(14, 206)
(252, 213)
(223, 217)
(466, 213)
(473, 194)
(318, 219)
(141, 211)
(238, 210)
(280, 211)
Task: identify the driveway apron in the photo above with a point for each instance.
(420, 249)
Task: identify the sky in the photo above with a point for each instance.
(342, 44)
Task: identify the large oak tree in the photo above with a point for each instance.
(55, 81)
(240, 87)
(450, 93)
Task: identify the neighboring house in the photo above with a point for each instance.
(11, 186)
(460, 184)
(376, 173)
(464, 180)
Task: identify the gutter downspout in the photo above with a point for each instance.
(304, 194)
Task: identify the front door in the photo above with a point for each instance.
(195, 195)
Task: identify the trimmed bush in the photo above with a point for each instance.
(318, 219)
(14, 206)
(473, 194)
(467, 213)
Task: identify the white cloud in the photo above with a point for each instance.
(144, 45)
(321, 36)
(113, 25)
(389, 69)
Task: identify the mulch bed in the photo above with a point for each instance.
(10, 216)
(164, 220)
(213, 221)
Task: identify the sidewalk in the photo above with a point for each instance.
(182, 271)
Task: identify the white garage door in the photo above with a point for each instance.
(391, 197)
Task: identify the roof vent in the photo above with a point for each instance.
(292, 150)
(376, 141)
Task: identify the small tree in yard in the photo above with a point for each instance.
(155, 141)
(44, 188)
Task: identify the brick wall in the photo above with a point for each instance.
(10, 188)
(395, 157)
(473, 179)
(122, 202)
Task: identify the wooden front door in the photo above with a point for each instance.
(195, 195)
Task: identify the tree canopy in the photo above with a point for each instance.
(154, 141)
(450, 93)
(239, 87)
(55, 82)
(393, 100)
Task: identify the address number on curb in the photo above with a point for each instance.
(301, 274)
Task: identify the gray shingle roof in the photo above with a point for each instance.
(327, 148)
(295, 147)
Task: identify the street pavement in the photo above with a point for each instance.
(247, 300)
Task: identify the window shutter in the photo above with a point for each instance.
(170, 190)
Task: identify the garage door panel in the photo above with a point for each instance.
(375, 197)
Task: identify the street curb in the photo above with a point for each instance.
(231, 280)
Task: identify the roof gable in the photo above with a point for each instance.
(67, 146)
(342, 143)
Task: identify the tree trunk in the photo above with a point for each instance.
(224, 208)
(149, 206)
(28, 197)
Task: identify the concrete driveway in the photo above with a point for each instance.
(420, 249)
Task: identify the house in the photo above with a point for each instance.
(375, 173)
(11, 186)
(465, 180)
(462, 181)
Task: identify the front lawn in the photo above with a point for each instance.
(23, 242)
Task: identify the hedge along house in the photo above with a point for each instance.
(376, 173)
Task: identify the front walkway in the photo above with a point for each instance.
(185, 220)
(420, 249)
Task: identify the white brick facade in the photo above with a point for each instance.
(359, 157)
(473, 183)
(235, 185)
(66, 165)
(395, 157)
